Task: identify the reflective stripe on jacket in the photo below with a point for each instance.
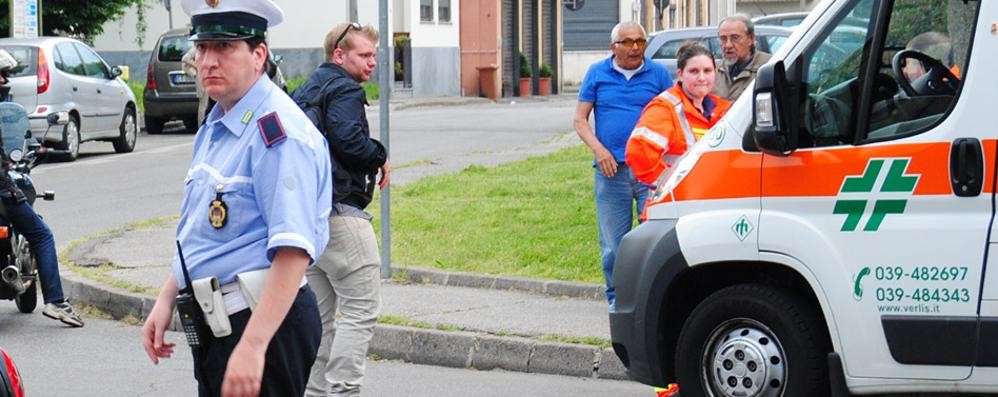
(668, 124)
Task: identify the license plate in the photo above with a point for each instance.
(181, 78)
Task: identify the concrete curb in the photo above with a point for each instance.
(556, 288)
(458, 349)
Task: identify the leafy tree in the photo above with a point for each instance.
(911, 17)
(80, 19)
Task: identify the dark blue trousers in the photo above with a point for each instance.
(289, 356)
(27, 222)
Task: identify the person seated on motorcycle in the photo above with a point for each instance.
(28, 223)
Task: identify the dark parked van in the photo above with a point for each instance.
(170, 93)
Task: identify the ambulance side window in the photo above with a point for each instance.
(831, 80)
(921, 66)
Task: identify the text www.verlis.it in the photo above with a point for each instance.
(908, 308)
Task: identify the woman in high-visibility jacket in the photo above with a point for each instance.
(677, 117)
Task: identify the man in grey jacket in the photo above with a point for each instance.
(741, 60)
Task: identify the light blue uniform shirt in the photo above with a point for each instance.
(277, 196)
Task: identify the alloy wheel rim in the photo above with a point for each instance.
(73, 139)
(130, 130)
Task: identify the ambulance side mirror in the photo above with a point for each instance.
(774, 132)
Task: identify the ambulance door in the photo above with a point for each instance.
(881, 202)
(987, 361)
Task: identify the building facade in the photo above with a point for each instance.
(430, 25)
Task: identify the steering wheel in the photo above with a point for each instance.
(937, 80)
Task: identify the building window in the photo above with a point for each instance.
(426, 10)
(444, 13)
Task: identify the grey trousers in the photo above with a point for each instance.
(346, 277)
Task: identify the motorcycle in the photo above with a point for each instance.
(18, 268)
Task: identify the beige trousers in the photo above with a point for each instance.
(346, 277)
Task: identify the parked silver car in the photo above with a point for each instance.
(57, 74)
(785, 19)
(663, 45)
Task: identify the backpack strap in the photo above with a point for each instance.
(321, 102)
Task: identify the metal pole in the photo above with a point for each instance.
(169, 12)
(384, 69)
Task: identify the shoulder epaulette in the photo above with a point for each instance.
(271, 129)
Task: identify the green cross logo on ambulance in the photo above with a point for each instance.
(894, 180)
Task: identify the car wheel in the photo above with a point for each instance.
(154, 125)
(753, 340)
(129, 131)
(71, 139)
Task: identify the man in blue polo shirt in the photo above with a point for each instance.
(617, 89)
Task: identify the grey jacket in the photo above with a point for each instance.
(728, 88)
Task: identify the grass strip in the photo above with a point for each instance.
(533, 218)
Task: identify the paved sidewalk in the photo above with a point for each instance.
(398, 103)
(456, 319)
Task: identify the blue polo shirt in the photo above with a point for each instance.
(618, 102)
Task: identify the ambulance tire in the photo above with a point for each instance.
(726, 345)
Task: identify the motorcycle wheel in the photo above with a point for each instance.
(27, 301)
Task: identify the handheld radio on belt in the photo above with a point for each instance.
(187, 307)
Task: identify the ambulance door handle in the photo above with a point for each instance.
(966, 167)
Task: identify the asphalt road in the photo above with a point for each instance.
(103, 190)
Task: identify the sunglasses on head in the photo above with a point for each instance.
(352, 25)
(630, 43)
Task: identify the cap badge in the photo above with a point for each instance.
(212, 3)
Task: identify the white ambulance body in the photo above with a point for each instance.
(835, 232)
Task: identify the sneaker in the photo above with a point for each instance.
(63, 312)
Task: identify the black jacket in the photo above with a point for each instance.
(356, 156)
(8, 190)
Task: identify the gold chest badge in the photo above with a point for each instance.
(218, 212)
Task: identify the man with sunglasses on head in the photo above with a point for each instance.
(741, 60)
(616, 89)
(348, 275)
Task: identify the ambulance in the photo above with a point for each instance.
(832, 234)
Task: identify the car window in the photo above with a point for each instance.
(92, 63)
(791, 22)
(903, 95)
(27, 60)
(71, 62)
(714, 44)
(919, 92)
(831, 83)
(173, 48)
(668, 50)
(774, 42)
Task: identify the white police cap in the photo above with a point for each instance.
(231, 19)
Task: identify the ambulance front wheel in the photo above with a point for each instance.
(753, 340)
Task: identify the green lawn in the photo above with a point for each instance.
(370, 88)
(533, 218)
(137, 88)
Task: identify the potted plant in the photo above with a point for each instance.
(524, 76)
(544, 82)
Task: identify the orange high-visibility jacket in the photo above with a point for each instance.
(668, 125)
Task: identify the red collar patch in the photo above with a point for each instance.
(271, 129)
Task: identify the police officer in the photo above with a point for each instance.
(257, 196)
